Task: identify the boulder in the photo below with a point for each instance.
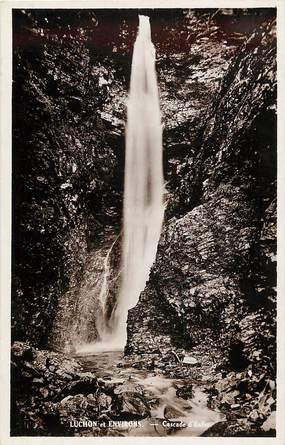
(185, 392)
(188, 360)
(130, 406)
(129, 403)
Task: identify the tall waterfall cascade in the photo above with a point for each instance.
(144, 186)
(143, 207)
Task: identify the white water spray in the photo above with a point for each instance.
(143, 192)
(143, 195)
(102, 322)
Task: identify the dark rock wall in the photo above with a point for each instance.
(66, 157)
(215, 273)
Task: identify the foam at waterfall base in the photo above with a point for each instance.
(100, 346)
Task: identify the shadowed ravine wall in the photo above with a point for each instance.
(218, 262)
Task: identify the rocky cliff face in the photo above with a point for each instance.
(70, 85)
(67, 155)
(214, 278)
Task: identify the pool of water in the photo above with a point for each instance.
(170, 414)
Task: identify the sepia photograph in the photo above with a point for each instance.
(144, 201)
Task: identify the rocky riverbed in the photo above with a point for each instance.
(105, 395)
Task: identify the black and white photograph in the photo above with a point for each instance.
(143, 222)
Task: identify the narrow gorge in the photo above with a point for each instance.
(144, 222)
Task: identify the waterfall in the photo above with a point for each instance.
(102, 322)
(143, 190)
(143, 207)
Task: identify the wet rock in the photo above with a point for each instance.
(104, 402)
(21, 350)
(253, 415)
(45, 401)
(138, 365)
(129, 402)
(235, 406)
(84, 385)
(231, 429)
(38, 380)
(44, 392)
(74, 407)
(188, 360)
(128, 386)
(130, 406)
(171, 413)
(185, 392)
(237, 428)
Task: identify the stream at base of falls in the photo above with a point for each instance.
(170, 414)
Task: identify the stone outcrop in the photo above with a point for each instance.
(50, 393)
(220, 254)
(214, 277)
(195, 279)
